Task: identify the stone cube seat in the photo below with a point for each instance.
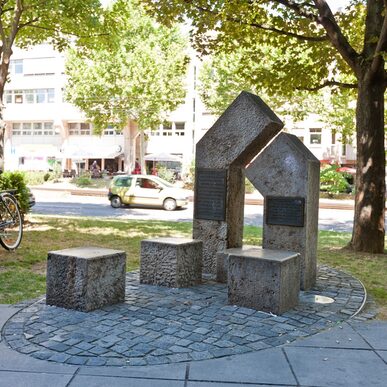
(85, 278)
(263, 279)
(172, 262)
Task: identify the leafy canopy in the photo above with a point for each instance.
(58, 22)
(279, 48)
(138, 75)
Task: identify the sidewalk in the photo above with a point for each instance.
(348, 351)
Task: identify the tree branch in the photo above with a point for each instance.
(381, 46)
(330, 83)
(335, 35)
(63, 32)
(15, 22)
(283, 32)
(266, 28)
(298, 8)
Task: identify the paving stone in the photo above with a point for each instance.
(155, 322)
(77, 360)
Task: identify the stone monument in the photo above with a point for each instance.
(241, 132)
(287, 174)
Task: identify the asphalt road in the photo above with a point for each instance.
(65, 204)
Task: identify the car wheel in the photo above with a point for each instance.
(169, 204)
(115, 202)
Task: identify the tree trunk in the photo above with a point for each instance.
(368, 228)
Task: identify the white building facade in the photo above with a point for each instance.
(42, 128)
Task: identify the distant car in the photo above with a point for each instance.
(146, 190)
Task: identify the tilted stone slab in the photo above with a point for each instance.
(85, 278)
(263, 279)
(242, 131)
(172, 262)
(287, 174)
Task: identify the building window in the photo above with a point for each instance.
(30, 96)
(180, 128)
(48, 129)
(16, 66)
(111, 131)
(18, 96)
(315, 136)
(16, 129)
(79, 129)
(33, 129)
(167, 129)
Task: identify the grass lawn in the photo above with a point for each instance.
(22, 273)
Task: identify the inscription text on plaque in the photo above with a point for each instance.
(285, 211)
(210, 194)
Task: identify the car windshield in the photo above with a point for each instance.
(123, 182)
(163, 182)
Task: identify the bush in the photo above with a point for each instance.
(332, 181)
(249, 188)
(16, 181)
(166, 174)
(35, 177)
(189, 179)
(83, 181)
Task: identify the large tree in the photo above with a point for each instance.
(316, 48)
(29, 22)
(139, 75)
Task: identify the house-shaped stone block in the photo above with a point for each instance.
(287, 174)
(241, 132)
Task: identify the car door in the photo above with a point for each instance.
(147, 192)
(123, 186)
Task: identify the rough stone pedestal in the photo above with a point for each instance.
(172, 262)
(263, 279)
(85, 278)
(222, 261)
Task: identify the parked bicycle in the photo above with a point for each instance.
(11, 224)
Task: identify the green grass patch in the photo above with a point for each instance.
(22, 273)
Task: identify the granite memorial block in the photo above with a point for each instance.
(287, 174)
(172, 262)
(241, 132)
(263, 279)
(85, 278)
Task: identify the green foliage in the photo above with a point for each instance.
(34, 177)
(139, 75)
(189, 178)
(16, 181)
(249, 188)
(165, 173)
(84, 180)
(40, 177)
(332, 181)
(58, 22)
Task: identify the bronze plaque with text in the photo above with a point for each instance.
(210, 194)
(285, 211)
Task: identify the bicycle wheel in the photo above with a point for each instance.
(11, 227)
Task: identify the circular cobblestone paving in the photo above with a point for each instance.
(158, 325)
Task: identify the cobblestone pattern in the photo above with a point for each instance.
(159, 325)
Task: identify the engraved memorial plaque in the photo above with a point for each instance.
(210, 194)
(285, 211)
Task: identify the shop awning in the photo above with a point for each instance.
(37, 150)
(78, 152)
(162, 157)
